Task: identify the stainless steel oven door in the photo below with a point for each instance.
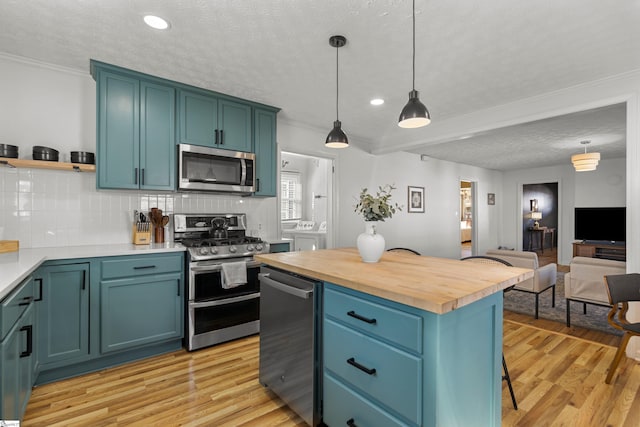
(216, 314)
(205, 280)
(213, 322)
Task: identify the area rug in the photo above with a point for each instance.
(525, 303)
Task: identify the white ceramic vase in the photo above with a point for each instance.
(370, 243)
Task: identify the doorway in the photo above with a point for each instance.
(466, 218)
(306, 201)
(540, 220)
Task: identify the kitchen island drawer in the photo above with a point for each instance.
(388, 323)
(348, 405)
(383, 372)
(14, 305)
(129, 266)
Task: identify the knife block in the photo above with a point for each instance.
(141, 237)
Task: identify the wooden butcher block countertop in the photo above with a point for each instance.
(438, 285)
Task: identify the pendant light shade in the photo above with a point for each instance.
(414, 114)
(337, 138)
(585, 162)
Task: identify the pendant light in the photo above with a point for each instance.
(414, 114)
(337, 138)
(586, 161)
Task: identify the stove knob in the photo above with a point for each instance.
(213, 250)
(203, 251)
(233, 249)
(250, 248)
(258, 247)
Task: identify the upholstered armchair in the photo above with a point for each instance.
(544, 277)
(585, 281)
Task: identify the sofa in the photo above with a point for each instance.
(585, 281)
(544, 277)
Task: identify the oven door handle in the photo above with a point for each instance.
(224, 301)
(291, 290)
(217, 267)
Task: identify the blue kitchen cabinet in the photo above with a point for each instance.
(207, 120)
(275, 247)
(63, 314)
(388, 364)
(17, 360)
(141, 301)
(135, 132)
(265, 148)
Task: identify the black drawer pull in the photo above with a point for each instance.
(143, 267)
(26, 301)
(364, 319)
(351, 361)
(29, 330)
(351, 423)
(39, 289)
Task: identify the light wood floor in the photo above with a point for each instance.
(558, 375)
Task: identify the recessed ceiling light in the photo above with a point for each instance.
(377, 101)
(156, 22)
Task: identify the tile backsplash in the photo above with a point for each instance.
(45, 208)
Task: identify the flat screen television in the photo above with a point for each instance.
(601, 224)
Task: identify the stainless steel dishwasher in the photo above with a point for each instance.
(290, 333)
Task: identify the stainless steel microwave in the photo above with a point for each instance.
(212, 169)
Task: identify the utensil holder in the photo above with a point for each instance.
(141, 237)
(158, 234)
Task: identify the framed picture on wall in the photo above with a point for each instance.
(491, 198)
(416, 199)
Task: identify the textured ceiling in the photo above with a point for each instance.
(541, 143)
(470, 54)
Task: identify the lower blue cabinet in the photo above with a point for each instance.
(63, 314)
(389, 364)
(17, 360)
(140, 311)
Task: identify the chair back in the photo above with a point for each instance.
(404, 250)
(623, 287)
(483, 259)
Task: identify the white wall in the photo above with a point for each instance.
(435, 232)
(603, 187)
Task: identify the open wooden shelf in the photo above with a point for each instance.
(41, 164)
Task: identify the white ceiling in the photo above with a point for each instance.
(470, 55)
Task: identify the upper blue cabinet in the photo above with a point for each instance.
(141, 118)
(214, 122)
(135, 133)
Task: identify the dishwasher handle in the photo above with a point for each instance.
(292, 290)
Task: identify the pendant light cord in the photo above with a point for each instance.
(337, 80)
(413, 83)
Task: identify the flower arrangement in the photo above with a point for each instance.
(379, 207)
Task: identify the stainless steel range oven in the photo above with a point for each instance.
(218, 310)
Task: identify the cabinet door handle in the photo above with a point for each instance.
(179, 285)
(135, 176)
(257, 184)
(221, 137)
(371, 371)
(26, 301)
(216, 132)
(84, 279)
(39, 289)
(359, 317)
(142, 176)
(29, 330)
(351, 423)
(143, 267)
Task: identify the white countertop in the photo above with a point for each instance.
(16, 266)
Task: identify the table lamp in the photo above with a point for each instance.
(536, 216)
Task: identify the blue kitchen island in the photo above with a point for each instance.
(408, 341)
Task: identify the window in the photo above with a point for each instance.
(291, 196)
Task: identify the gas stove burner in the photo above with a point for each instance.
(196, 243)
